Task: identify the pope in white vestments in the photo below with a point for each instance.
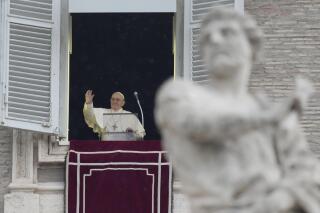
(114, 123)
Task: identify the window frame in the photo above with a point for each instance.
(61, 92)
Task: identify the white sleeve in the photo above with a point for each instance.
(93, 117)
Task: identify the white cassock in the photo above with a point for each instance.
(113, 127)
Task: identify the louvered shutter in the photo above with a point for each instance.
(194, 10)
(30, 65)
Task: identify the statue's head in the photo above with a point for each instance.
(229, 42)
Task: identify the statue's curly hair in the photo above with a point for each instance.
(247, 23)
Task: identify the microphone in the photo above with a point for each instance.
(135, 93)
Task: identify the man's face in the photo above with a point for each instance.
(225, 47)
(117, 101)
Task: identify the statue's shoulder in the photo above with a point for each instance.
(176, 83)
(175, 89)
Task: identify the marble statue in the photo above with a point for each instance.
(233, 151)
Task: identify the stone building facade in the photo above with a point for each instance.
(5, 163)
(292, 46)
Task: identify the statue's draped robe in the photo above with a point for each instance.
(240, 166)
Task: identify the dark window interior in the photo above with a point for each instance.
(124, 52)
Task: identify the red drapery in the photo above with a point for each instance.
(118, 177)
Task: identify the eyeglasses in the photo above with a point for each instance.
(116, 99)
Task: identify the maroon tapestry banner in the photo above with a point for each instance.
(118, 177)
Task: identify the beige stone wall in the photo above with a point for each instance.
(292, 47)
(5, 162)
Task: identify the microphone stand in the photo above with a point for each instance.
(142, 118)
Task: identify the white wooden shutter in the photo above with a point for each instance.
(30, 65)
(194, 10)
